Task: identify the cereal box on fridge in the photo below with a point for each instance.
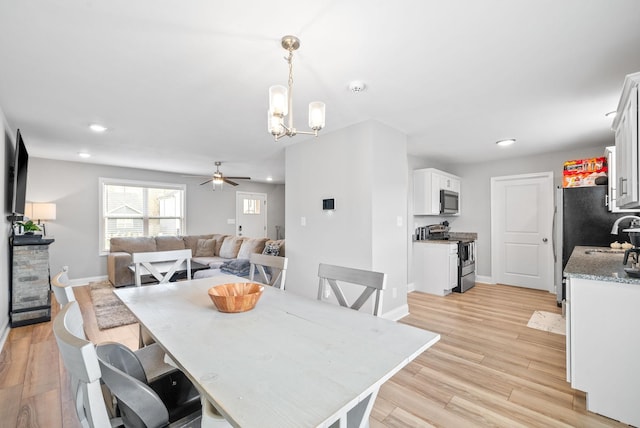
(583, 172)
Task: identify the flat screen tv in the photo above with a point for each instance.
(20, 167)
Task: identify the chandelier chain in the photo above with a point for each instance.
(290, 61)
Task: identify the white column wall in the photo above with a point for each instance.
(349, 166)
(5, 158)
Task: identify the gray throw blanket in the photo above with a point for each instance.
(238, 267)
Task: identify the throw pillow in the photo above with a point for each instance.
(271, 249)
(250, 246)
(230, 247)
(205, 248)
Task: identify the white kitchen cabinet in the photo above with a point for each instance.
(625, 127)
(603, 346)
(435, 266)
(611, 198)
(427, 184)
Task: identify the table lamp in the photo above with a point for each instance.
(43, 211)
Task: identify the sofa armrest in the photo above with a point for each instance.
(118, 269)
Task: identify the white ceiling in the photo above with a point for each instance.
(182, 84)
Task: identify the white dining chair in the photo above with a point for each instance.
(146, 263)
(374, 282)
(81, 362)
(172, 401)
(61, 287)
(272, 269)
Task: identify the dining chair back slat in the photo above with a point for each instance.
(277, 266)
(374, 282)
(147, 260)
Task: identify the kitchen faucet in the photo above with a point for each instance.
(635, 223)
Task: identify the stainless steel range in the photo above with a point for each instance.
(466, 251)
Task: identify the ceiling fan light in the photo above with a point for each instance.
(278, 100)
(316, 115)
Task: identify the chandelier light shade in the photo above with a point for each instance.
(281, 100)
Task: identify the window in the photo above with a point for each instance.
(136, 208)
(251, 206)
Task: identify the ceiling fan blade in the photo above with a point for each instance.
(208, 181)
(238, 178)
(226, 180)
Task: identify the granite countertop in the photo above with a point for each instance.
(598, 263)
(454, 237)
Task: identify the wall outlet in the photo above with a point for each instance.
(231, 221)
(394, 292)
(399, 221)
(303, 221)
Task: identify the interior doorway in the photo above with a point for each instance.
(251, 214)
(521, 230)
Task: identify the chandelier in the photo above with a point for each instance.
(281, 102)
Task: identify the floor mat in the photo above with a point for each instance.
(547, 321)
(110, 311)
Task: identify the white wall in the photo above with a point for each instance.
(476, 192)
(73, 186)
(5, 156)
(364, 168)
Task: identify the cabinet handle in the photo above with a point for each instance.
(622, 187)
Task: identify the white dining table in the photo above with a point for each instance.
(291, 361)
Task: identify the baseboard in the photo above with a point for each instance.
(84, 281)
(398, 313)
(411, 287)
(484, 279)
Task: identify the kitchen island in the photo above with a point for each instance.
(603, 344)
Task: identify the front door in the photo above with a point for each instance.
(521, 230)
(251, 214)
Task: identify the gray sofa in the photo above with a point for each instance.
(211, 250)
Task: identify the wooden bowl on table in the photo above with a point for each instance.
(236, 297)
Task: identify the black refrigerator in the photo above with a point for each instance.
(583, 219)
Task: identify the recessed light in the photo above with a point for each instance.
(611, 114)
(269, 178)
(96, 127)
(84, 155)
(507, 142)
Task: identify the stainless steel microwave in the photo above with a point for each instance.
(449, 202)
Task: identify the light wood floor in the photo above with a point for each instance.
(488, 369)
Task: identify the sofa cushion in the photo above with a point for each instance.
(191, 242)
(212, 262)
(251, 245)
(231, 246)
(132, 245)
(169, 243)
(219, 239)
(205, 248)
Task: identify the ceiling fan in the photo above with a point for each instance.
(218, 178)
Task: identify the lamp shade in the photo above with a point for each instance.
(28, 210)
(43, 211)
(316, 115)
(278, 102)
